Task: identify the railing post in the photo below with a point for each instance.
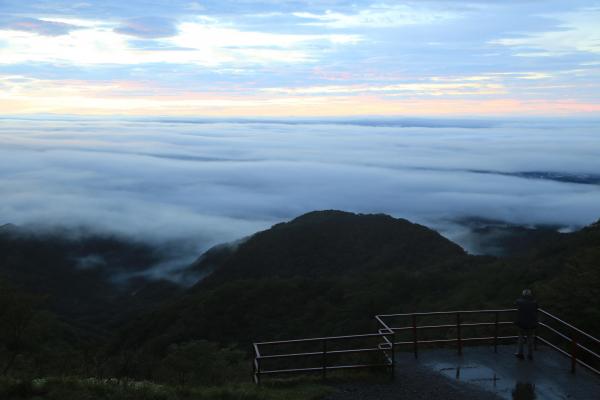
(324, 359)
(415, 339)
(458, 336)
(496, 332)
(573, 352)
(256, 365)
(393, 355)
(257, 371)
(535, 339)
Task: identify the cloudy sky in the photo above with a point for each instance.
(300, 58)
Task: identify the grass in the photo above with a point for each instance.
(95, 389)
(75, 388)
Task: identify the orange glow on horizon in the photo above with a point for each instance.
(294, 106)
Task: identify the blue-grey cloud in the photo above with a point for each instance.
(39, 26)
(148, 27)
(415, 41)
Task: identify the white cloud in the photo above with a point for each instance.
(379, 16)
(205, 42)
(416, 88)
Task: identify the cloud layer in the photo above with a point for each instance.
(214, 181)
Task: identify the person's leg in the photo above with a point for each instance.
(530, 339)
(520, 347)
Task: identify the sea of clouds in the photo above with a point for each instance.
(208, 181)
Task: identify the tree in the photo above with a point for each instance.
(202, 362)
(16, 315)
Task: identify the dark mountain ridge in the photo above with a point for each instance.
(325, 272)
(78, 274)
(329, 272)
(329, 243)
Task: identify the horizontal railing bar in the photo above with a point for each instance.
(565, 337)
(291, 370)
(587, 335)
(489, 338)
(446, 313)
(319, 353)
(582, 347)
(320, 339)
(350, 351)
(290, 355)
(411, 342)
(588, 366)
(358, 366)
(466, 324)
(318, 369)
(548, 343)
(555, 331)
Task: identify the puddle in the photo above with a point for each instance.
(488, 379)
(524, 391)
(546, 378)
(472, 373)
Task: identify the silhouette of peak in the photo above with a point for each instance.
(322, 243)
(9, 228)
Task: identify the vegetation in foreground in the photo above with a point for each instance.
(113, 389)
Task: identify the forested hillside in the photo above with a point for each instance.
(324, 273)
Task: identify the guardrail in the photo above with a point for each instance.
(576, 341)
(459, 327)
(326, 354)
(453, 329)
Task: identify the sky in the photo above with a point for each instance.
(302, 58)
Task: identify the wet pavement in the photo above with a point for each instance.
(547, 377)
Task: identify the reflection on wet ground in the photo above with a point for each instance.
(524, 391)
(547, 377)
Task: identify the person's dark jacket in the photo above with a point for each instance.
(526, 313)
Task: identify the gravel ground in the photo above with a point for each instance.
(412, 382)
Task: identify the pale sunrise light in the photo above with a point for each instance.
(421, 58)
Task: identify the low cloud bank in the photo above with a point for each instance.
(207, 182)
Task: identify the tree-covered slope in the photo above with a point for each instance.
(328, 273)
(83, 277)
(333, 244)
(324, 273)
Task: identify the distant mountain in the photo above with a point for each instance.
(502, 239)
(82, 276)
(329, 272)
(329, 243)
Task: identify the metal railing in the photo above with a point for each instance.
(458, 327)
(575, 342)
(453, 329)
(325, 354)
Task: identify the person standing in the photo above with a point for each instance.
(526, 321)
